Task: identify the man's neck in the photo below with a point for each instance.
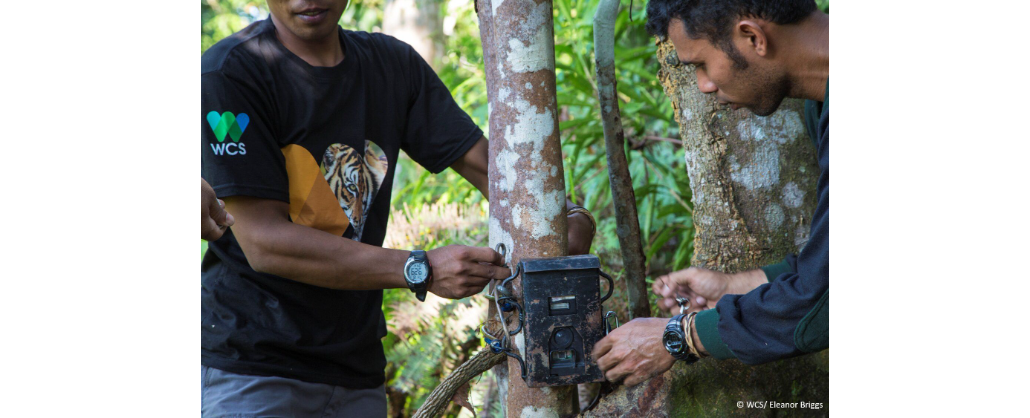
(326, 52)
(809, 57)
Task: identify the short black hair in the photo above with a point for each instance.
(713, 19)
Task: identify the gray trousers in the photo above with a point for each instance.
(230, 395)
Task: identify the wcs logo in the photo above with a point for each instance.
(230, 124)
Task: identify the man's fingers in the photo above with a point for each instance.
(608, 361)
(218, 213)
(471, 290)
(659, 285)
(668, 304)
(681, 277)
(480, 273)
(485, 272)
(486, 255)
(210, 231)
(617, 373)
(501, 273)
(602, 347)
(604, 362)
(226, 220)
(671, 292)
(491, 272)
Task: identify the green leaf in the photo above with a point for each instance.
(659, 242)
(681, 259)
(572, 124)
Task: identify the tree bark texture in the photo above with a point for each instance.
(418, 23)
(527, 183)
(753, 178)
(623, 197)
(753, 181)
(485, 13)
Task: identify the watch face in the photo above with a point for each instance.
(673, 342)
(417, 272)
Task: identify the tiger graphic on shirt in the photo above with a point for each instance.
(355, 176)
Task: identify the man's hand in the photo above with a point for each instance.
(580, 233)
(214, 220)
(634, 351)
(460, 271)
(702, 287)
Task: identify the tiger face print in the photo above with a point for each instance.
(355, 178)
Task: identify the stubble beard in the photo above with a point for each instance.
(770, 90)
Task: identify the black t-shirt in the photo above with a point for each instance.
(325, 140)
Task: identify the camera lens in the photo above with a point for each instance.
(563, 338)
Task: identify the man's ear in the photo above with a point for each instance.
(751, 36)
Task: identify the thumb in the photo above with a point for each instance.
(685, 277)
(220, 216)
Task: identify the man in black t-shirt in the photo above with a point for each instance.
(302, 123)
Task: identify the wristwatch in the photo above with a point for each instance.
(417, 273)
(675, 340)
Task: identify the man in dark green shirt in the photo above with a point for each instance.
(750, 54)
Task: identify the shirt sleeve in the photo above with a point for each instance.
(240, 155)
(438, 131)
(788, 265)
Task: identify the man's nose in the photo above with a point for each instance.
(704, 84)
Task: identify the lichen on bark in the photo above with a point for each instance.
(753, 178)
(527, 183)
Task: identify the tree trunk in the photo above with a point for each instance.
(418, 23)
(485, 12)
(753, 178)
(623, 197)
(527, 182)
(753, 181)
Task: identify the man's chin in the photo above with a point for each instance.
(765, 110)
(762, 112)
(315, 34)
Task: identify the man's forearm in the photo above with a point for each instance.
(745, 281)
(474, 166)
(321, 259)
(274, 245)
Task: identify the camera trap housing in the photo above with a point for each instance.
(563, 319)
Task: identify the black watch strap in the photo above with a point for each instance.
(419, 256)
(674, 329)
